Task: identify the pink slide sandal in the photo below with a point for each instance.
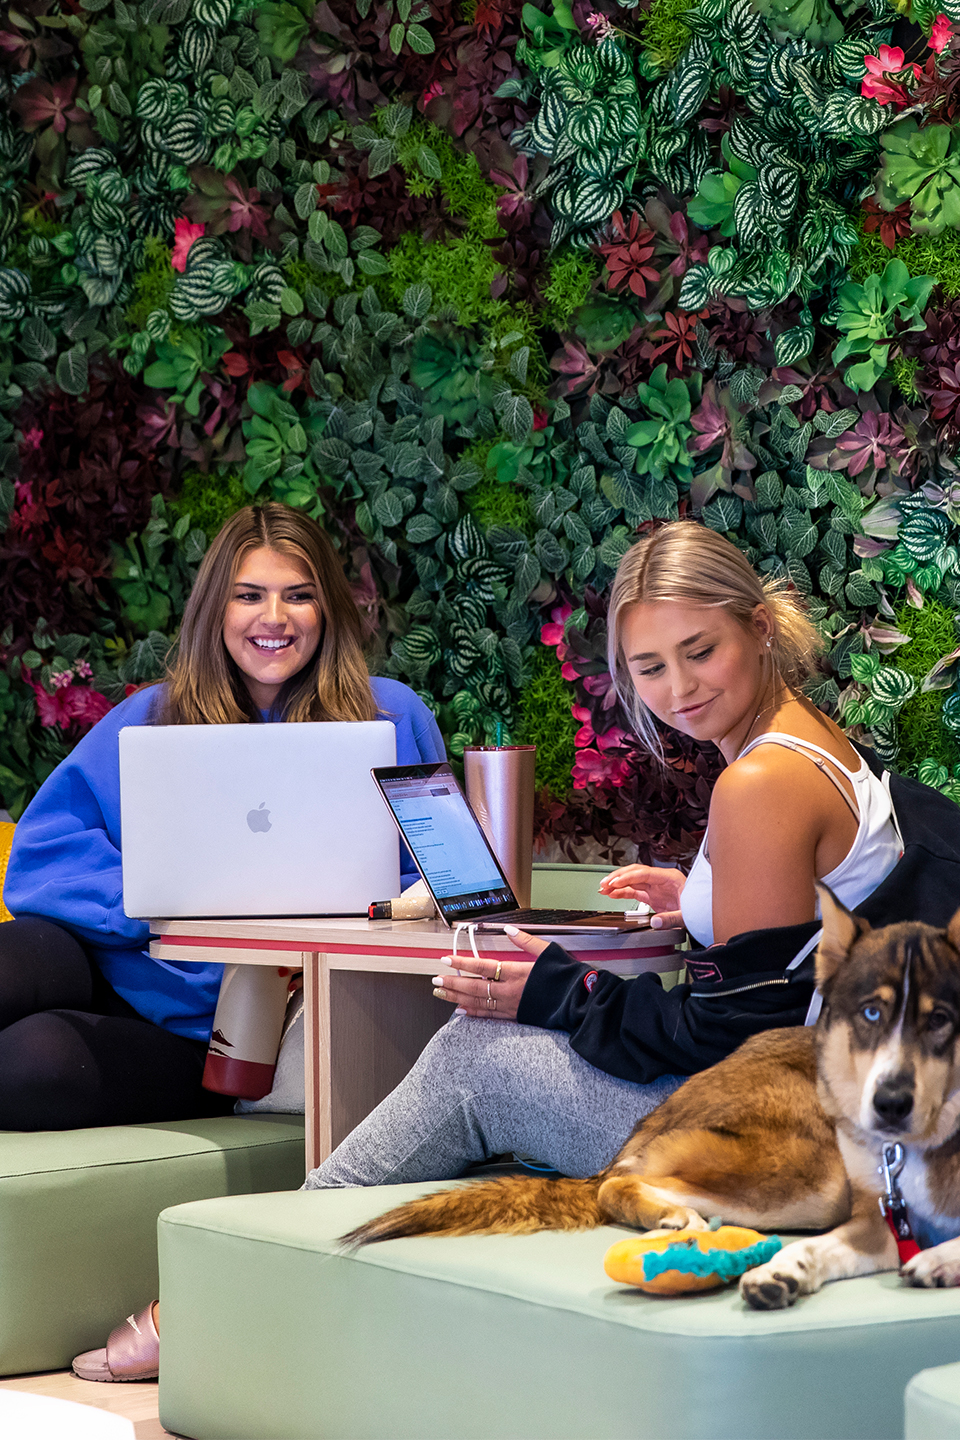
(132, 1352)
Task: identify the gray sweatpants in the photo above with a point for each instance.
(485, 1087)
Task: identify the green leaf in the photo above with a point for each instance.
(37, 339)
(382, 154)
(388, 508)
(794, 343)
(429, 163)
(420, 40)
(416, 302)
(262, 316)
(516, 417)
(723, 513)
(72, 371)
(864, 667)
(372, 263)
(859, 591)
(892, 686)
(421, 529)
(305, 199)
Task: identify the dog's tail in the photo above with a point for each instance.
(512, 1205)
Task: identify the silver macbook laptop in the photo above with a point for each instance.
(256, 819)
(457, 864)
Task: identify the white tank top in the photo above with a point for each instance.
(871, 857)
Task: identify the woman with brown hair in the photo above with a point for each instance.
(93, 1031)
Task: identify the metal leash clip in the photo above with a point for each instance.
(892, 1204)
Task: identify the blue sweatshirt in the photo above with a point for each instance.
(65, 863)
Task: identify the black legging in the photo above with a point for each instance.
(73, 1053)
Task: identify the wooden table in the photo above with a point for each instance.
(369, 1007)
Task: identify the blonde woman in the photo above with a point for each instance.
(93, 1031)
(551, 1058)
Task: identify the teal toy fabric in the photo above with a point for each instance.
(689, 1259)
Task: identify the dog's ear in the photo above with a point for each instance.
(953, 931)
(840, 930)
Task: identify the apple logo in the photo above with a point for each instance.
(259, 820)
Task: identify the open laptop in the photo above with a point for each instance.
(456, 862)
(266, 820)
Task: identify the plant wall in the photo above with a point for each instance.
(490, 289)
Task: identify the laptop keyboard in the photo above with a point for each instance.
(545, 917)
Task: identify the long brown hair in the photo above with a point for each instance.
(205, 686)
(684, 561)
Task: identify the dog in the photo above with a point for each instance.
(787, 1133)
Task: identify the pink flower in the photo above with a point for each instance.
(553, 634)
(876, 86)
(613, 738)
(599, 26)
(70, 704)
(184, 236)
(592, 768)
(540, 418)
(598, 685)
(585, 736)
(888, 57)
(32, 439)
(568, 672)
(432, 92)
(27, 514)
(940, 34)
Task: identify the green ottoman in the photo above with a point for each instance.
(933, 1404)
(78, 1219)
(270, 1333)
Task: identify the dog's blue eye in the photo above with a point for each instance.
(871, 1013)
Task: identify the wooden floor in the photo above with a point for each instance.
(136, 1400)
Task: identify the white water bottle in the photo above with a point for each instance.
(247, 1025)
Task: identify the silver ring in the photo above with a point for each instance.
(496, 975)
(488, 992)
(491, 1004)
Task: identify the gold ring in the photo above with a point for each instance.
(496, 974)
(491, 1004)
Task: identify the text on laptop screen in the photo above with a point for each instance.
(444, 837)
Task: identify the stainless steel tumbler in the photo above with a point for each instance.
(500, 789)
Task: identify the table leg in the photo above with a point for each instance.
(316, 1054)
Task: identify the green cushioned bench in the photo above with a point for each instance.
(78, 1219)
(932, 1404)
(270, 1333)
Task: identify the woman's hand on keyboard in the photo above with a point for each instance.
(651, 885)
(488, 998)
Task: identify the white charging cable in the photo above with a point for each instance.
(471, 928)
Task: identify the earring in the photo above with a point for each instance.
(768, 644)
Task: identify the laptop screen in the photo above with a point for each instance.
(446, 841)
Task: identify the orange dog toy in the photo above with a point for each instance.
(688, 1260)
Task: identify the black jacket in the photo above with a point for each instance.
(637, 1030)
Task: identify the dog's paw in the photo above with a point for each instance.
(683, 1219)
(937, 1268)
(767, 1288)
